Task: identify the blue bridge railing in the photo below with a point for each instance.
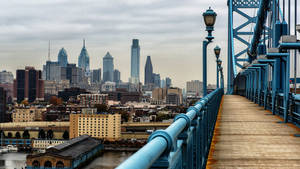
(185, 143)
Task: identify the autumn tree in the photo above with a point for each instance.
(25, 102)
(55, 101)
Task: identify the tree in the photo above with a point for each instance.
(26, 134)
(101, 107)
(2, 134)
(66, 135)
(50, 134)
(9, 135)
(55, 101)
(25, 102)
(18, 135)
(42, 134)
(124, 116)
(162, 116)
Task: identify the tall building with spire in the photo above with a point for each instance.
(108, 68)
(62, 57)
(135, 62)
(148, 71)
(84, 59)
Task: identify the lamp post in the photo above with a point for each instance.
(209, 20)
(222, 77)
(217, 50)
(219, 63)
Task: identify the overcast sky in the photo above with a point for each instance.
(170, 31)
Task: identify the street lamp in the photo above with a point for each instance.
(219, 64)
(222, 77)
(217, 50)
(209, 19)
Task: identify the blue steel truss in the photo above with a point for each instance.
(276, 97)
(235, 33)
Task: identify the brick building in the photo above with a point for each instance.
(28, 114)
(89, 100)
(28, 85)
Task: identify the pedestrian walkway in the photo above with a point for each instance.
(247, 136)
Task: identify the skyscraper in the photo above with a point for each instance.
(2, 104)
(73, 74)
(28, 85)
(96, 76)
(163, 83)
(52, 71)
(62, 57)
(168, 82)
(117, 76)
(135, 62)
(84, 59)
(108, 68)
(156, 79)
(148, 71)
(6, 77)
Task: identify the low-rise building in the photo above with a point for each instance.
(53, 87)
(108, 87)
(173, 99)
(44, 144)
(124, 96)
(89, 100)
(172, 95)
(28, 114)
(100, 125)
(72, 154)
(72, 92)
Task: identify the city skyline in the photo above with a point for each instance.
(169, 31)
(62, 52)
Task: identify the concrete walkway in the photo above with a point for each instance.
(247, 136)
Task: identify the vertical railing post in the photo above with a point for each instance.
(202, 136)
(195, 150)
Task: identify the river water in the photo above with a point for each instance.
(108, 160)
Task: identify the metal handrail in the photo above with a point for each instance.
(163, 145)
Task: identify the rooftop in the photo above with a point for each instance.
(73, 148)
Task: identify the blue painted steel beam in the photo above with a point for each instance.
(258, 30)
(274, 64)
(277, 55)
(290, 46)
(264, 80)
(293, 80)
(257, 85)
